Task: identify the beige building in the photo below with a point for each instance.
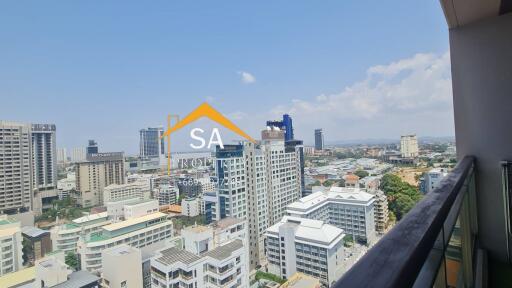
(97, 172)
(15, 163)
(139, 189)
(119, 260)
(409, 146)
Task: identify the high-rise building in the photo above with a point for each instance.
(10, 243)
(319, 139)
(78, 154)
(44, 165)
(62, 155)
(151, 142)
(409, 146)
(92, 148)
(16, 165)
(97, 172)
(307, 246)
(256, 182)
(286, 125)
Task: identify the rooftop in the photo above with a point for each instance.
(18, 278)
(90, 217)
(334, 193)
(173, 255)
(224, 251)
(134, 221)
(33, 231)
(228, 221)
(314, 230)
(78, 279)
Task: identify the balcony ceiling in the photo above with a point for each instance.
(462, 12)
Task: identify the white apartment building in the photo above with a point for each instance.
(191, 207)
(167, 194)
(122, 267)
(78, 154)
(433, 177)
(139, 189)
(350, 209)
(16, 165)
(409, 146)
(66, 186)
(10, 245)
(201, 261)
(381, 210)
(283, 174)
(307, 246)
(136, 232)
(65, 237)
(130, 208)
(62, 155)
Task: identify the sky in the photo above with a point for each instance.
(105, 69)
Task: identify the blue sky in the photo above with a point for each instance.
(105, 69)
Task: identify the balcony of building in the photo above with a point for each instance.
(460, 234)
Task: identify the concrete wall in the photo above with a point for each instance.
(481, 55)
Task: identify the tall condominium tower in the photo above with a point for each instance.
(256, 182)
(151, 144)
(286, 125)
(62, 155)
(15, 167)
(44, 166)
(319, 139)
(93, 175)
(92, 148)
(78, 154)
(409, 146)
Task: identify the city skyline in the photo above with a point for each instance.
(115, 76)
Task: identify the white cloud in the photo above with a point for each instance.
(409, 95)
(246, 77)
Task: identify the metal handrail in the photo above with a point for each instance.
(397, 259)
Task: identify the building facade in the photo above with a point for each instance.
(122, 267)
(16, 167)
(97, 172)
(44, 165)
(433, 177)
(136, 232)
(409, 146)
(206, 257)
(350, 209)
(10, 245)
(140, 189)
(151, 143)
(319, 140)
(307, 246)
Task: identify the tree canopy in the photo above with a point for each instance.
(402, 196)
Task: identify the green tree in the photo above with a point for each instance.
(361, 173)
(72, 260)
(27, 250)
(328, 183)
(348, 240)
(402, 196)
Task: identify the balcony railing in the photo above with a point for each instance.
(432, 246)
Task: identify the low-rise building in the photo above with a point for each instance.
(200, 262)
(65, 237)
(122, 267)
(191, 207)
(136, 232)
(301, 280)
(130, 208)
(39, 241)
(308, 246)
(350, 209)
(139, 189)
(10, 245)
(433, 177)
(167, 194)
